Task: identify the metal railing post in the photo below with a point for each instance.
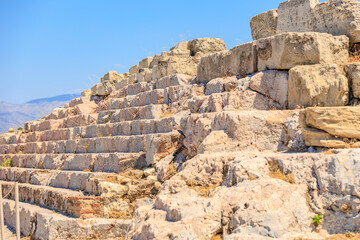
(17, 211)
(2, 230)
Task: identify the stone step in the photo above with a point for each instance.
(66, 201)
(155, 96)
(152, 111)
(76, 101)
(162, 83)
(243, 131)
(74, 180)
(134, 143)
(126, 128)
(42, 223)
(91, 162)
(127, 114)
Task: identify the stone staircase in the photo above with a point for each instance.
(200, 143)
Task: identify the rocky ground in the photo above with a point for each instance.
(260, 141)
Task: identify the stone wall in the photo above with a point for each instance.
(337, 17)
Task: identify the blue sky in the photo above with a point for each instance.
(54, 47)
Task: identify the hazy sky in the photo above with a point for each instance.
(54, 47)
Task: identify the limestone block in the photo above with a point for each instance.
(133, 70)
(272, 84)
(145, 63)
(288, 50)
(112, 76)
(203, 46)
(296, 16)
(264, 25)
(174, 64)
(353, 73)
(173, 80)
(317, 85)
(144, 75)
(240, 61)
(211, 67)
(338, 17)
(337, 121)
(219, 85)
(180, 49)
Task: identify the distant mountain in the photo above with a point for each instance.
(15, 115)
(60, 98)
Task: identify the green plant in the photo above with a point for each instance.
(7, 163)
(317, 219)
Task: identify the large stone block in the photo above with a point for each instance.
(337, 17)
(272, 84)
(203, 46)
(113, 76)
(332, 127)
(264, 25)
(317, 85)
(288, 50)
(240, 61)
(296, 16)
(353, 73)
(174, 64)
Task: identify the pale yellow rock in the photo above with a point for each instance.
(264, 25)
(203, 46)
(317, 85)
(288, 50)
(145, 63)
(134, 70)
(338, 121)
(112, 76)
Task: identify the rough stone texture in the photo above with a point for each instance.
(113, 76)
(317, 85)
(335, 127)
(264, 25)
(353, 73)
(240, 60)
(203, 46)
(336, 17)
(288, 50)
(273, 84)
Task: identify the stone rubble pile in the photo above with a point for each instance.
(204, 143)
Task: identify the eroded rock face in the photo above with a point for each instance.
(264, 25)
(288, 50)
(334, 127)
(334, 17)
(317, 85)
(240, 60)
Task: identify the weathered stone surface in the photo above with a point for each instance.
(180, 49)
(334, 17)
(335, 127)
(145, 63)
(288, 50)
(243, 127)
(203, 46)
(353, 73)
(273, 84)
(264, 25)
(240, 60)
(134, 70)
(219, 85)
(317, 85)
(112, 76)
(296, 16)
